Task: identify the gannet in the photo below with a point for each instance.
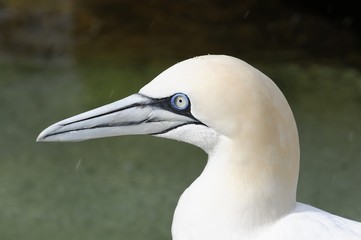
(241, 119)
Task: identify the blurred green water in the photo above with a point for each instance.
(128, 187)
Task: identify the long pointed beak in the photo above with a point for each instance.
(136, 114)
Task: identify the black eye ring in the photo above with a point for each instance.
(180, 102)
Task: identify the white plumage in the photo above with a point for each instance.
(242, 120)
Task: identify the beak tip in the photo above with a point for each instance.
(42, 137)
(46, 134)
(54, 134)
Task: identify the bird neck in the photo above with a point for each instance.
(240, 189)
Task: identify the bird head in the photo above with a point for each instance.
(201, 101)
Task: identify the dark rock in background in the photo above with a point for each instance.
(36, 33)
(269, 30)
(257, 29)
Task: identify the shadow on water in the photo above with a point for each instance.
(127, 187)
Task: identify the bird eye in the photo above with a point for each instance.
(179, 102)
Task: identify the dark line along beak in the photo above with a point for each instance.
(134, 115)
